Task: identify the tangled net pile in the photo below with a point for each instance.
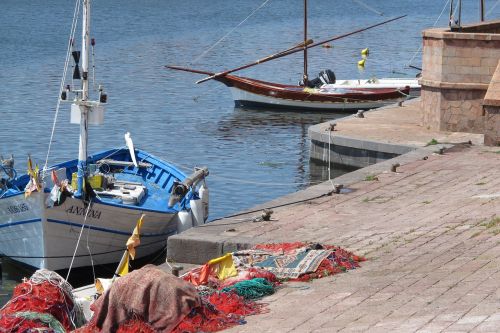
(44, 303)
(134, 325)
(338, 261)
(220, 310)
(214, 297)
(226, 302)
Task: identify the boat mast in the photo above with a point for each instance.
(305, 77)
(481, 10)
(84, 107)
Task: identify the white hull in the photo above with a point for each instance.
(378, 84)
(46, 237)
(242, 98)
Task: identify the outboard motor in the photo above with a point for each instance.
(326, 76)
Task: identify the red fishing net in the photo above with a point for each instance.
(248, 274)
(135, 325)
(220, 310)
(36, 306)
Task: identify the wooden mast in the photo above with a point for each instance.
(305, 77)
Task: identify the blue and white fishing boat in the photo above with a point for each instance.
(81, 212)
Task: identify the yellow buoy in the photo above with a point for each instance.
(365, 52)
(361, 63)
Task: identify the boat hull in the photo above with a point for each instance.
(382, 83)
(255, 93)
(247, 99)
(47, 238)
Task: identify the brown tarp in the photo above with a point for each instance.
(157, 297)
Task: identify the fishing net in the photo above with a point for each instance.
(252, 289)
(135, 325)
(226, 302)
(336, 259)
(220, 310)
(43, 303)
(248, 274)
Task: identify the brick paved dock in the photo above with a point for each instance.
(430, 231)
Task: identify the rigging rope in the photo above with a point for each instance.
(359, 2)
(242, 181)
(230, 32)
(90, 253)
(66, 64)
(493, 7)
(79, 237)
(435, 22)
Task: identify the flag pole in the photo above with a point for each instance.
(123, 261)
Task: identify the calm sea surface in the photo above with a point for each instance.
(253, 156)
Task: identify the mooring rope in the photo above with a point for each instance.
(79, 237)
(243, 181)
(90, 254)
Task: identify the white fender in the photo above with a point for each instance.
(184, 221)
(199, 206)
(197, 211)
(204, 196)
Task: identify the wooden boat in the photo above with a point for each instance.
(249, 92)
(314, 94)
(81, 212)
(382, 83)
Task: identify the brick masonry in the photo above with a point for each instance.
(457, 71)
(492, 111)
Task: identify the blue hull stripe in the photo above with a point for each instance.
(108, 230)
(10, 224)
(80, 225)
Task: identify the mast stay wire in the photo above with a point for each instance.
(204, 53)
(65, 70)
(230, 32)
(435, 22)
(493, 7)
(361, 3)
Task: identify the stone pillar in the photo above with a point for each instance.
(491, 107)
(457, 70)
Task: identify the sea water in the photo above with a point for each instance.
(253, 156)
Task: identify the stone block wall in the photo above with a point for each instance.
(457, 70)
(459, 110)
(492, 126)
(492, 111)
